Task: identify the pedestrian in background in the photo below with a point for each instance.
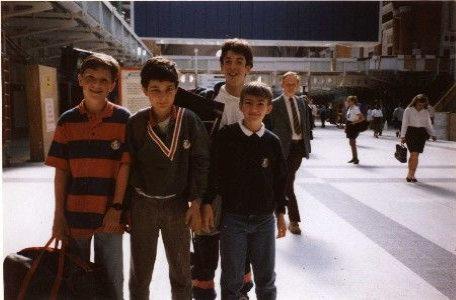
(398, 113)
(290, 121)
(323, 115)
(353, 118)
(416, 129)
(377, 121)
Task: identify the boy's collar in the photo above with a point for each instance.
(249, 132)
(153, 119)
(106, 112)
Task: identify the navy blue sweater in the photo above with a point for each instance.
(248, 172)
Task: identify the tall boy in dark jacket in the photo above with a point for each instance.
(248, 170)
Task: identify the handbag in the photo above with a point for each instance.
(401, 153)
(52, 273)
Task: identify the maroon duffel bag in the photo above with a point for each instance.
(52, 273)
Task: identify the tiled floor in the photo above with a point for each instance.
(368, 234)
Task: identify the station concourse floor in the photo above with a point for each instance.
(367, 233)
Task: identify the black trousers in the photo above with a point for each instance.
(294, 160)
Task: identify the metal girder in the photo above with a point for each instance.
(67, 24)
(36, 23)
(18, 8)
(64, 43)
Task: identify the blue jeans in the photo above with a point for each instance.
(108, 252)
(254, 234)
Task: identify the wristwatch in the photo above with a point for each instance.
(116, 206)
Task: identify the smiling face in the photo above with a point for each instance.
(96, 84)
(161, 96)
(254, 109)
(234, 68)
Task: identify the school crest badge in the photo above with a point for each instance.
(265, 163)
(115, 145)
(186, 144)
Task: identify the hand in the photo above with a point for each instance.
(193, 216)
(111, 220)
(60, 228)
(208, 218)
(434, 138)
(125, 219)
(281, 226)
(403, 140)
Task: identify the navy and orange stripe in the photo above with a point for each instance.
(92, 149)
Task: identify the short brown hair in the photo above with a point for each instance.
(256, 88)
(240, 47)
(291, 73)
(419, 98)
(101, 60)
(352, 98)
(161, 69)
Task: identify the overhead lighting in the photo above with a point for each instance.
(138, 51)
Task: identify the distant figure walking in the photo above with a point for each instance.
(416, 129)
(323, 115)
(377, 121)
(353, 116)
(398, 113)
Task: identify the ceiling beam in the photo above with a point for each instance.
(66, 25)
(14, 8)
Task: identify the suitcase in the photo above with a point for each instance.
(52, 273)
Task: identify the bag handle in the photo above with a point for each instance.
(58, 280)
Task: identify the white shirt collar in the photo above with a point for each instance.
(288, 98)
(248, 132)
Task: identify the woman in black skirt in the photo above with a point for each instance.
(416, 129)
(354, 117)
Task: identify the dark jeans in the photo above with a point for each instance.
(148, 217)
(253, 234)
(294, 160)
(108, 252)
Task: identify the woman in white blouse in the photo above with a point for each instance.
(416, 129)
(353, 117)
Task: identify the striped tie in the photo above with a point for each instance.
(296, 125)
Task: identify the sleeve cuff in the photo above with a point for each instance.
(56, 162)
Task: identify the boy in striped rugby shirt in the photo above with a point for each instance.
(91, 163)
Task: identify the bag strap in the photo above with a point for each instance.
(58, 280)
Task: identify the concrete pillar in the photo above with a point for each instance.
(405, 34)
(396, 31)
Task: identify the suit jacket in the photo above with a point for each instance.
(279, 123)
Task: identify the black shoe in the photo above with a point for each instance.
(355, 161)
(408, 179)
(414, 180)
(350, 161)
(293, 227)
(203, 294)
(245, 289)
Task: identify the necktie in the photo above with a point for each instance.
(294, 113)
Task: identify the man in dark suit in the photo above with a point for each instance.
(290, 121)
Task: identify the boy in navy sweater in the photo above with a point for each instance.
(248, 170)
